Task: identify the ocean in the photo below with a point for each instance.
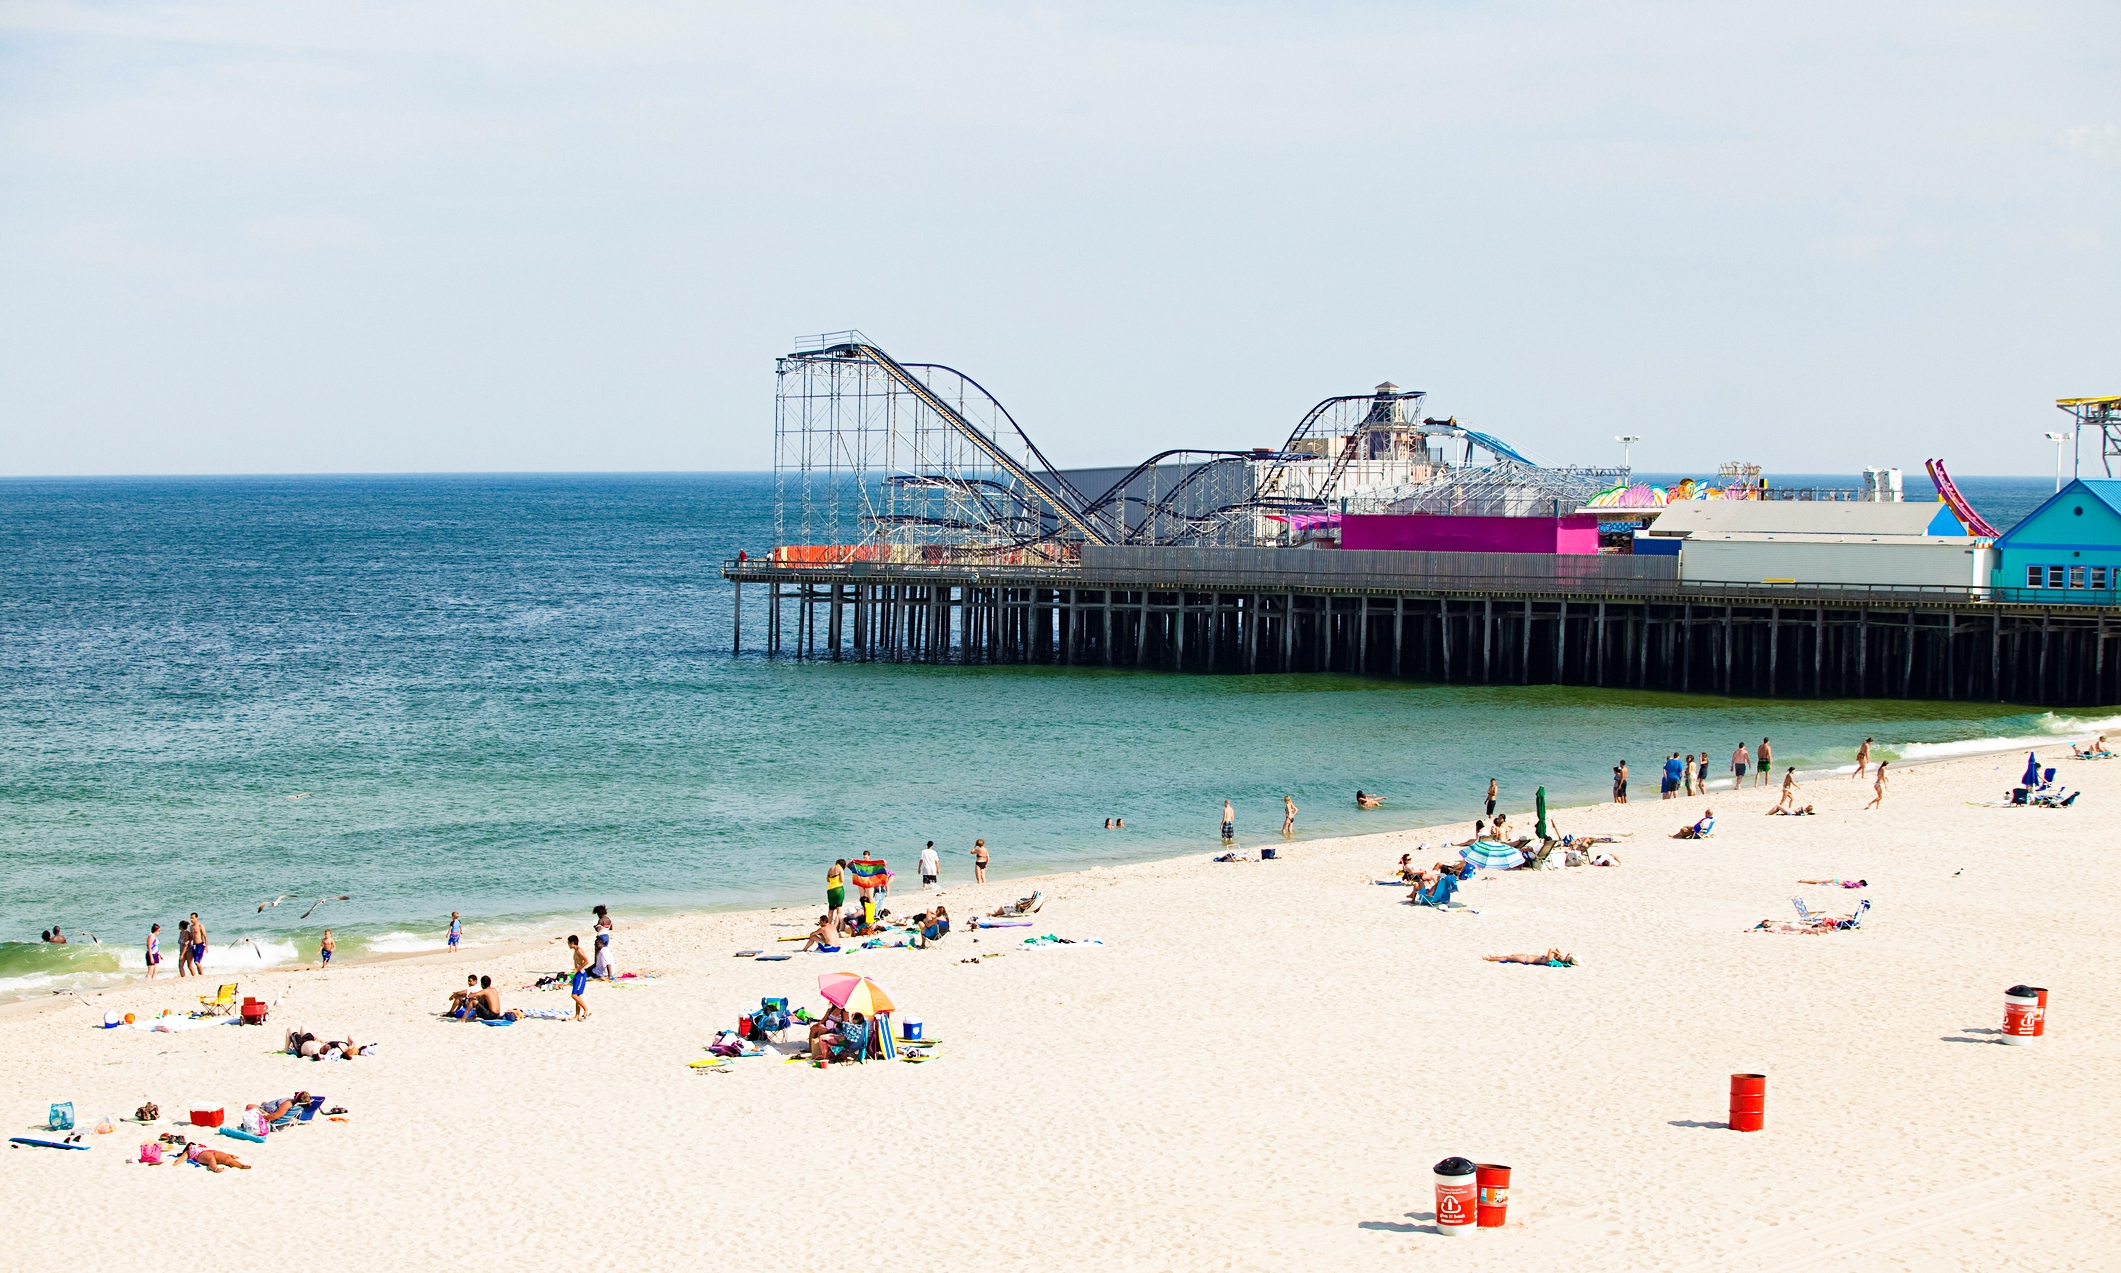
(513, 697)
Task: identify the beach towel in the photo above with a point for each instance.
(870, 873)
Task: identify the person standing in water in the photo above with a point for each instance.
(931, 866)
(1767, 763)
(183, 948)
(1878, 788)
(979, 861)
(1689, 774)
(1493, 792)
(456, 929)
(1288, 815)
(1863, 758)
(1229, 822)
(198, 944)
(1620, 783)
(835, 889)
(325, 947)
(154, 949)
(1739, 760)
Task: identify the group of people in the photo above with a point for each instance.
(191, 947)
(840, 1036)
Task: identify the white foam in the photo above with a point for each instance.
(402, 943)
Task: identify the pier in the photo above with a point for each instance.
(1607, 620)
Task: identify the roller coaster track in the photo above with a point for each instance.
(1066, 503)
(1964, 511)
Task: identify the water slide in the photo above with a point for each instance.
(1975, 523)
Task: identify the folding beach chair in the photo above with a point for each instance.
(302, 1113)
(1806, 914)
(222, 1004)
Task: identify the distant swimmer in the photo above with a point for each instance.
(1364, 800)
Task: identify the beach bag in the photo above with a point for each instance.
(148, 1113)
(62, 1117)
(151, 1153)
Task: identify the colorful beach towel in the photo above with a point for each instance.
(870, 873)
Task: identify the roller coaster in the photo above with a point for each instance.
(877, 459)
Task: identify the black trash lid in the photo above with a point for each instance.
(1455, 1167)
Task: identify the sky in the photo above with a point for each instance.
(468, 235)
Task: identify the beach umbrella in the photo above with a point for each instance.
(855, 993)
(2032, 771)
(1541, 801)
(1492, 855)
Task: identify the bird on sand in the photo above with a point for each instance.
(274, 902)
(341, 897)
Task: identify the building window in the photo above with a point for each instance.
(2076, 576)
(2033, 576)
(2099, 578)
(2054, 576)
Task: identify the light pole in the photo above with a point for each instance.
(1626, 440)
(2058, 439)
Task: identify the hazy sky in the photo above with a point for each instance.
(471, 235)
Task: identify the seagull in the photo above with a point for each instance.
(341, 897)
(274, 902)
(255, 949)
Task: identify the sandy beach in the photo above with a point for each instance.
(1256, 1070)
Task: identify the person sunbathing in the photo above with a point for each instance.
(213, 1159)
(821, 935)
(1364, 800)
(1604, 859)
(1552, 959)
(1436, 886)
(1842, 883)
(274, 1111)
(1406, 867)
(934, 930)
(1700, 830)
(849, 1040)
(1024, 906)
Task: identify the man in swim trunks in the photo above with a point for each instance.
(580, 981)
(1767, 763)
(931, 866)
(486, 1004)
(1739, 760)
(458, 999)
(325, 947)
(1229, 822)
(1620, 783)
(198, 943)
(821, 936)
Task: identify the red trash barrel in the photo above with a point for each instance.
(2021, 1015)
(1457, 1196)
(2040, 1017)
(1748, 1102)
(1494, 1181)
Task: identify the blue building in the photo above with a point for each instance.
(2066, 550)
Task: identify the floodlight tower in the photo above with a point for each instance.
(2103, 414)
(1627, 442)
(2058, 439)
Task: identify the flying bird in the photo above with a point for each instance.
(342, 897)
(274, 902)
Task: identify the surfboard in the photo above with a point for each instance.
(42, 1143)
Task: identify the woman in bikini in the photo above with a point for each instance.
(1552, 959)
(1878, 787)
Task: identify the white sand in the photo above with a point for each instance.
(1256, 1072)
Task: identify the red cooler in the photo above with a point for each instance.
(1494, 1181)
(207, 1115)
(1748, 1102)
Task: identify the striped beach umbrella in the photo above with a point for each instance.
(1492, 855)
(855, 993)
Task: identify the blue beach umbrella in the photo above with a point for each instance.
(1488, 854)
(2032, 771)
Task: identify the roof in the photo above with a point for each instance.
(2088, 402)
(1801, 517)
(2106, 490)
(1891, 541)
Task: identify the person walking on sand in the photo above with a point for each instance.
(1767, 762)
(1739, 761)
(835, 889)
(1229, 822)
(1288, 815)
(1878, 788)
(154, 949)
(931, 866)
(456, 929)
(1789, 791)
(1690, 774)
(325, 947)
(979, 861)
(1493, 792)
(580, 981)
(1863, 758)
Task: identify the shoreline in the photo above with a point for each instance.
(1721, 786)
(1212, 1081)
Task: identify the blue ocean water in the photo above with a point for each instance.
(513, 696)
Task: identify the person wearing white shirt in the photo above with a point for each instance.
(931, 865)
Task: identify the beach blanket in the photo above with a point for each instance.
(549, 1014)
(1050, 941)
(176, 1025)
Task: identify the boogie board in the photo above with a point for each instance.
(499, 1021)
(42, 1143)
(240, 1134)
(767, 959)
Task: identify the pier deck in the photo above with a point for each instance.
(1605, 620)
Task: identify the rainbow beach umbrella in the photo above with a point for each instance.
(855, 993)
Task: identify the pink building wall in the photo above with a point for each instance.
(1437, 532)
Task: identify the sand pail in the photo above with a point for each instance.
(1494, 1182)
(1748, 1102)
(2021, 1014)
(1457, 1196)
